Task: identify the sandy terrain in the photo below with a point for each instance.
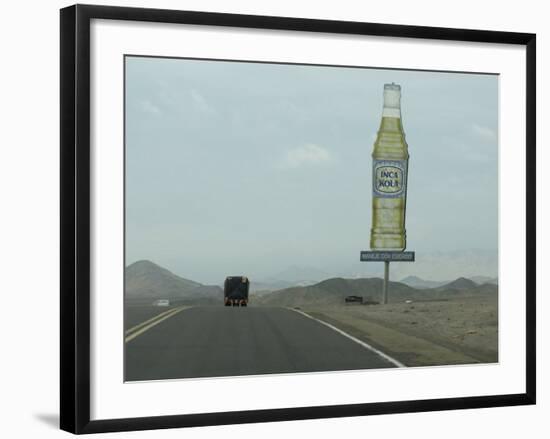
(456, 331)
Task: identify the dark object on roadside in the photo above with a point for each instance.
(354, 299)
(235, 291)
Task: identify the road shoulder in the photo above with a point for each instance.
(409, 349)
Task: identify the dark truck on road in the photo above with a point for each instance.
(235, 291)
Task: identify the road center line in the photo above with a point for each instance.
(158, 316)
(154, 322)
(351, 337)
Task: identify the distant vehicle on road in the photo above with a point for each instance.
(360, 300)
(235, 291)
(354, 299)
(161, 302)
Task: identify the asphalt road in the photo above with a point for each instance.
(226, 341)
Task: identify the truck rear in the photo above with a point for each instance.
(235, 291)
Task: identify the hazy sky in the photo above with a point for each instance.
(247, 168)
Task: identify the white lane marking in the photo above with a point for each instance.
(155, 322)
(135, 328)
(351, 337)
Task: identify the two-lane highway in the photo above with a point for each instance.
(219, 341)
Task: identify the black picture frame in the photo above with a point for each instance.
(75, 217)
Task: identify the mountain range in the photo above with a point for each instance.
(333, 292)
(470, 263)
(417, 282)
(430, 269)
(146, 282)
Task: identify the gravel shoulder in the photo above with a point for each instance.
(439, 332)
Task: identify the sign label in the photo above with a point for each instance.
(377, 256)
(389, 178)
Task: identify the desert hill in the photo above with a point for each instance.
(461, 283)
(333, 291)
(146, 281)
(419, 283)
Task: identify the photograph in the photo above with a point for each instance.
(285, 218)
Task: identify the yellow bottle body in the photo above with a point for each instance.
(390, 167)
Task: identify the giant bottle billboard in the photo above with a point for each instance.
(390, 161)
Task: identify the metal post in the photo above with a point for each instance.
(386, 281)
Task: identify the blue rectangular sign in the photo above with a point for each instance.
(393, 256)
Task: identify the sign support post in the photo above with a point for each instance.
(386, 281)
(387, 257)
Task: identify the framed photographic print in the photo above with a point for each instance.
(275, 218)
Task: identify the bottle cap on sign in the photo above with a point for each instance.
(392, 100)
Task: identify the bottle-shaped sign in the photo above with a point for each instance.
(390, 159)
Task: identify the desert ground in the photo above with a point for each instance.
(461, 330)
